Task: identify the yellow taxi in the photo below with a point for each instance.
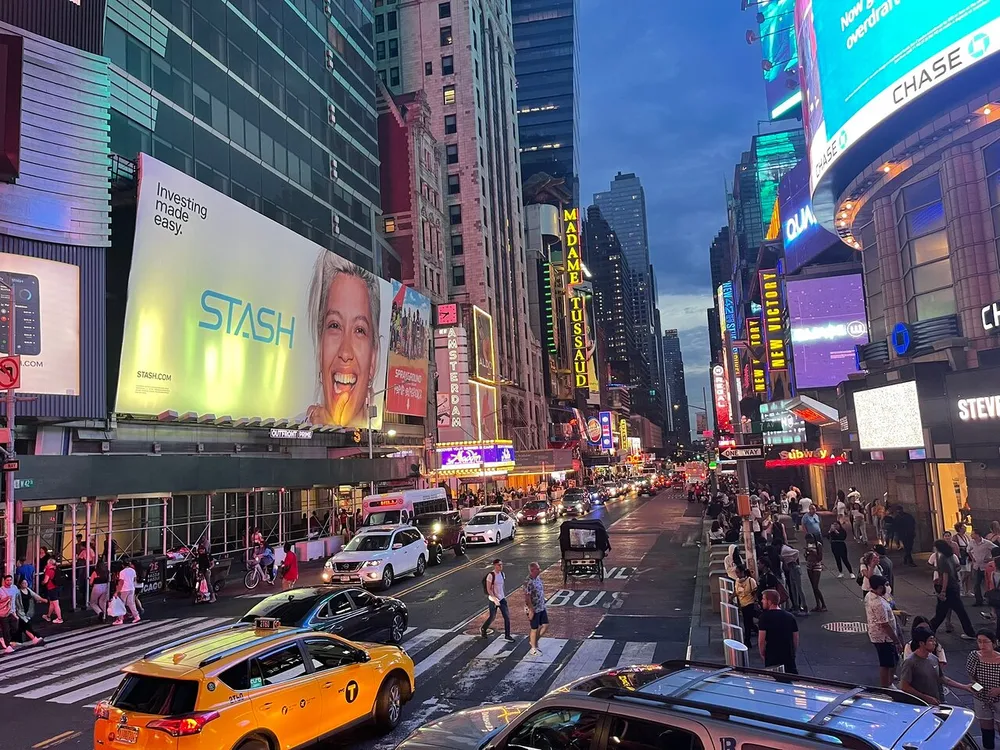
(253, 686)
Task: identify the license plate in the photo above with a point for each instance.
(127, 735)
(343, 579)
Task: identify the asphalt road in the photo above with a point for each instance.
(641, 613)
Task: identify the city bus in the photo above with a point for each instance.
(394, 508)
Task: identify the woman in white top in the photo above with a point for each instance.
(961, 539)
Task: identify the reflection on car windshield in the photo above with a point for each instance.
(286, 607)
(483, 519)
(382, 518)
(368, 543)
(428, 518)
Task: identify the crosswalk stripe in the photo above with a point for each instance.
(63, 635)
(589, 658)
(441, 654)
(423, 639)
(102, 688)
(478, 668)
(524, 677)
(636, 652)
(121, 659)
(408, 631)
(72, 649)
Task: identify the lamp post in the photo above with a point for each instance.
(372, 410)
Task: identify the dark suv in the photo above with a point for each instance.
(442, 530)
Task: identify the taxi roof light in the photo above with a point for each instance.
(184, 726)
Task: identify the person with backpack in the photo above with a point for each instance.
(493, 586)
(52, 582)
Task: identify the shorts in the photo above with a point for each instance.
(887, 654)
(53, 594)
(540, 618)
(986, 711)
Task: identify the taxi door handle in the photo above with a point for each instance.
(267, 705)
(328, 684)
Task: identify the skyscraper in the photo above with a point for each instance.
(673, 364)
(462, 55)
(547, 64)
(269, 105)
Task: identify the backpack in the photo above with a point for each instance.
(486, 585)
(60, 578)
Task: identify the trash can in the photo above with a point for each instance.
(737, 654)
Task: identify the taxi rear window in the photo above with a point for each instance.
(158, 696)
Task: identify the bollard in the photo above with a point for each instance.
(737, 654)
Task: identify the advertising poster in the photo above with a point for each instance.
(889, 417)
(867, 59)
(409, 338)
(803, 237)
(230, 313)
(781, 58)
(486, 411)
(486, 360)
(46, 298)
(827, 320)
(607, 430)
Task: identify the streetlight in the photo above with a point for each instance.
(372, 411)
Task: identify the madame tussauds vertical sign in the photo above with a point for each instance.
(577, 301)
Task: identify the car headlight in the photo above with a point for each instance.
(329, 565)
(436, 528)
(579, 506)
(372, 563)
(543, 519)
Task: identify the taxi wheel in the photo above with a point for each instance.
(254, 744)
(389, 704)
(421, 567)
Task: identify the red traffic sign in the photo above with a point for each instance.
(11, 465)
(10, 372)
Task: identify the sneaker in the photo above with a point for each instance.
(966, 637)
(137, 620)
(482, 633)
(509, 638)
(840, 575)
(46, 618)
(534, 652)
(9, 650)
(57, 622)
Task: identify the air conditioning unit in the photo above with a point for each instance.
(336, 224)
(331, 113)
(334, 172)
(329, 55)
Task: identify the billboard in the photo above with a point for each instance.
(46, 302)
(474, 456)
(827, 320)
(889, 417)
(804, 238)
(409, 338)
(720, 391)
(773, 317)
(486, 358)
(864, 60)
(230, 313)
(780, 57)
(607, 430)
(454, 389)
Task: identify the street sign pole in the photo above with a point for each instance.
(10, 520)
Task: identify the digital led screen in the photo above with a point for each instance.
(864, 60)
(409, 338)
(230, 313)
(827, 320)
(889, 417)
(781, 57)
(472, 456)
(803, 237)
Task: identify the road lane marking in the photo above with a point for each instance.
(57, 740)
(524, 677)
(441, 654)
(423, 639)
(104, 688)
(636, 652)
(588, 659)
(488, 556)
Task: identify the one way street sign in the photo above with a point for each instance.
(744, 452)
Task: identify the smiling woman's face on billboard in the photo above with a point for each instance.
(347, 341)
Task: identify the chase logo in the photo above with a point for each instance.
(842, 140)
(979, 45)
(241, 318)
(902, 338)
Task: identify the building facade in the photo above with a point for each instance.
(462, 55)
(547, 65)
(673, 366)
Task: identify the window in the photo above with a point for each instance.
(379, 50)
(447, 65)
(449, 94)
(444, 10)
(451, 153)
(390, 224)
(574, 728)
(380, 24)
(632, 734)
(454, 184)
(428, 69)
(237, 677)
(162, 696)
(455, 214)
(337, 606)
(456, 245)
(390, 20)
(991, 155)
(927, 278)
(277, 667)
(446, 36)
(458, 275)
(393, 48)
(450, 123)
(393, 76)
(326, 653)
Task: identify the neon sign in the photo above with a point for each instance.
(821, 457)
(774, 320)
(720, 389)
(607, 431)
(755, 334)
(577, 301)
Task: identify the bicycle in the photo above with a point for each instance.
(255, 575)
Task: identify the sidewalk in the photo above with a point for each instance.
(835, 644)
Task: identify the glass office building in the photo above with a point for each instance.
(546, 61)
(269, 101)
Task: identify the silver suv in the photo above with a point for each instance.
(698, 706)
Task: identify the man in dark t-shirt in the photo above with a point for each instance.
(778, 636)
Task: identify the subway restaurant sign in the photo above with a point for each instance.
(577, 300)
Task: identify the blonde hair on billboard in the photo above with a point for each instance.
(328, 267)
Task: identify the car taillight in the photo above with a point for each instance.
(184, 726)
(102, 710)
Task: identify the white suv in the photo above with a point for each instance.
(377, 556)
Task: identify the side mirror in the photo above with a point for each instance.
(397, 545)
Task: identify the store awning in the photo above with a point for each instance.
(813, 411)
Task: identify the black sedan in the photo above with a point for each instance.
(352, 613)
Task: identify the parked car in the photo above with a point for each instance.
(576, 502)
(442, 530)
(350, 613)
(490, 528)
(377, 556)
(537, 511)
(500, 508)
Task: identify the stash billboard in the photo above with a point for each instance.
(230, 313)
(781, 57)
(803, 236)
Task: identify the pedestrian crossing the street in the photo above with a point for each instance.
(83, 666)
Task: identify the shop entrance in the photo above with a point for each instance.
(951, 490)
